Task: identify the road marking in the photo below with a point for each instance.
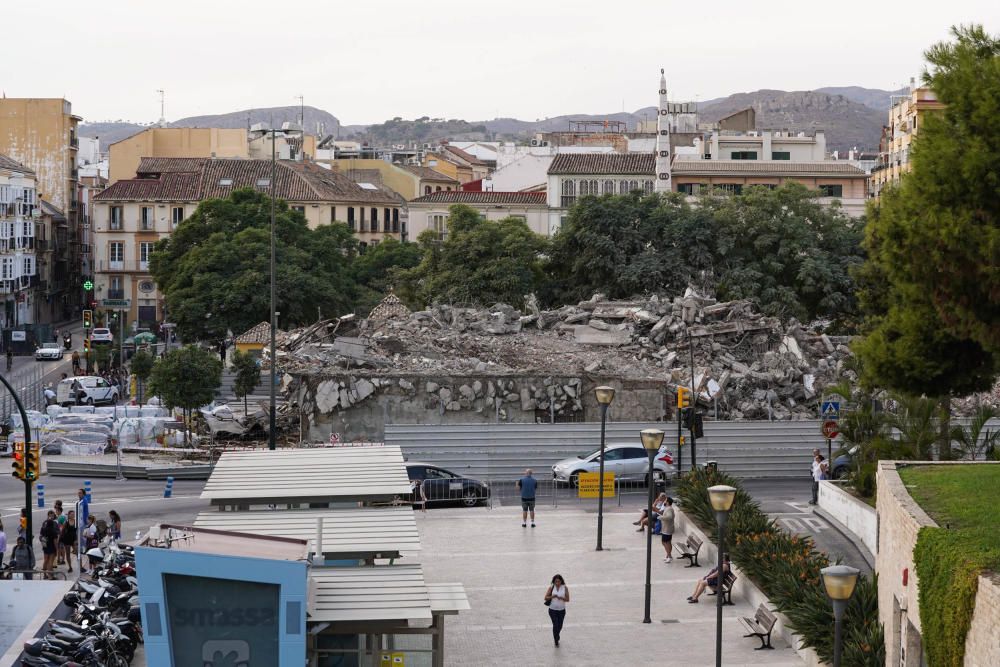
(802, 508)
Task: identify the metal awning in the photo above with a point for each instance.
(448, 598)
(373, 593)
(367, 532)
(329, 474)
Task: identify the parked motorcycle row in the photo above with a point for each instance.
(104, 629)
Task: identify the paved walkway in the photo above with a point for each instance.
(506, 569)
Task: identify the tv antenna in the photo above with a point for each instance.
(163, 118)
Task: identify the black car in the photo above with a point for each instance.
(442, 486)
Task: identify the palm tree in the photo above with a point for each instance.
(976, 439)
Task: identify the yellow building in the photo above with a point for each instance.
(254, 340)
(409, 181)
(131, 215)
(906, 117)
(199, 142)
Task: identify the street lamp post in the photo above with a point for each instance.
(839, 581)
(651, 438)
(721, 497)
(604, 397)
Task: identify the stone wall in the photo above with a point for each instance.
(357, 406)
(982, 644)
(856, 515)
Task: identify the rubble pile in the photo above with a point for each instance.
(745, 365)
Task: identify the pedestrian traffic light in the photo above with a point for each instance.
(33, 467)
(19, 463)
(88, 319)
(683, 397)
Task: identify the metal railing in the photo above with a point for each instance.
(29, 386)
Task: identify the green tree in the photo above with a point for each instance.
(977, 439)
(247, 375)
(186, 378)
(942, 226)
(376, 269)
(214, 270)
(141, 367)
(480, 261)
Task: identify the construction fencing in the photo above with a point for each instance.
(29, 386)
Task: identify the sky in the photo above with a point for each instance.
(369, 61)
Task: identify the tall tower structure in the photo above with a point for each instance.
(663, 181)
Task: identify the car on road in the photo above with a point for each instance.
(95, 390)
(627, 462)
(50, 350)
(442, 486)
(101, 335)
(843, 464)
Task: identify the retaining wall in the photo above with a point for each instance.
(856, 515)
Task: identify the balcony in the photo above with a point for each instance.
(124, 266)
(74, 142)
(115, 294)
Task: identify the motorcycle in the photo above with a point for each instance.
(68, 341)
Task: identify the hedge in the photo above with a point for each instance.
(787, 568)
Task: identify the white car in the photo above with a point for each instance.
(50, 350)
(101, 335)
(94, 390)
(625, 461)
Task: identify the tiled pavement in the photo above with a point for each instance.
(506, 569)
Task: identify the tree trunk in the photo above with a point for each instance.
(944, 428)
(187, 429)
(244, 406)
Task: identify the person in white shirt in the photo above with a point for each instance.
(555, 599)
(818, 473)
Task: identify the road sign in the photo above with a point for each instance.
(830, 410)
(588, 485)
(116, 304)
(830, 429)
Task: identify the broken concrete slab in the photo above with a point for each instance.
(587, 335)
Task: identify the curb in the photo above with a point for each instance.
(855, 541)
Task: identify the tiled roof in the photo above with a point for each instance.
(48, 208)
(428, 174)
(167, 187)
(641, 164)
(465, 197)
(464, 156)
(167, 165)
(765, 167)
(13, 165)
(260, 333)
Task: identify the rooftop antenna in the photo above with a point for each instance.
(302, 111)
(163, 118)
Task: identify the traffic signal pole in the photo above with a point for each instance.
(27, 447)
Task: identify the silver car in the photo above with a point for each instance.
(49, 351)
(625, 461)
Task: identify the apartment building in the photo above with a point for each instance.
(431, 210)
(906, 116)
(131, 215)
(19, 214)
(408, 180)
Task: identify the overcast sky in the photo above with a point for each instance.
(368, 61)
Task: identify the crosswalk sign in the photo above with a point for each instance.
(830, 410)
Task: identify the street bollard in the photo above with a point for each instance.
(169, 488)
(86, 490)
(41, 495)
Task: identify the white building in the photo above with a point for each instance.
(764, 145)
(574, 175)
(19, 210)
(431, 211)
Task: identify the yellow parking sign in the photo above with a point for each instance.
(588, 485)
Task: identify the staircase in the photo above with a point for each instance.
(227, 394)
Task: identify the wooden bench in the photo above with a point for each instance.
(689, 550)
(727, 588)
(760, 626)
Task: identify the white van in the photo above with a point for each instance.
(95, 390)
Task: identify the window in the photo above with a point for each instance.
(300, 209)
(439, 223)
(584, 188)
(633, 185)
(609, 187)
(647, 187)
(612, 455)
(176, 215)
(145, 250)
(623, 187)
(146, 218)
(781, 155)
(28, 267)
(350, 218)
(427, 189)
(437, 189)
(333, 214)
(568, 193)
(116, 218)
(832, 190)
(116, 289)
(116, 254)
(686, 188)
(374, 219)
(395, 219)
(635, 453)
(6, 267)
(386, 220)
(744, 155)
(731, 188)
(361, 223)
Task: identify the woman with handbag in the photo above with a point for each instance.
(556, 598)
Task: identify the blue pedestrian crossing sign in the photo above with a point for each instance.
(830, 410)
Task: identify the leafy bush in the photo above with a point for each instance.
(787, 568)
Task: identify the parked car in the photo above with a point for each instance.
(843, 464)
(95, 390)
(101, 335)
(50, 350)
(628, 462)
(442, 486)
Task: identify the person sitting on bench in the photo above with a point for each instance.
(710, 580)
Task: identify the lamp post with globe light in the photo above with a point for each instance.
(651, 438)
(604, 397)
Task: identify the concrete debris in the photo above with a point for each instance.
(747, 365)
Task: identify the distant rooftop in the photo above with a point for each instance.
(479, 197)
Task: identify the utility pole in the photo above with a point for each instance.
(163, 116)
(694, 405)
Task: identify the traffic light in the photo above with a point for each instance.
(19, 463)
(33, 469)
(699, 425)
(687, 418)
(86, 346)
(683, 397)
(88, 319)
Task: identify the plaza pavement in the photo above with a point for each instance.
(506, 569)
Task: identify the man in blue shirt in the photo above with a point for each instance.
(527, 484)
(82, 512)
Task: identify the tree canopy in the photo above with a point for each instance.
(186, 378)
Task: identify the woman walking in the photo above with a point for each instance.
(667, 528)
(67, 538)
(555, 599)
(49, 536)
(115, 525)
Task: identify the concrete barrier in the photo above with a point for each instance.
(856, 515)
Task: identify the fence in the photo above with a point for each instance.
(28, 384)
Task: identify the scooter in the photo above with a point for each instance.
(68, 341)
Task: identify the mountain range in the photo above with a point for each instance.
(851, 116)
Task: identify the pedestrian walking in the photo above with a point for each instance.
(556, 598)
(667, 528)
(89, 539)
(418, 494)
(3, 543)
(114, 525)
(22, 557)
(82, 515)
(10, 357)
(48, 535)
(68, 539)
(76, 362)
(22, 526)
(61, 519)
(527, 485)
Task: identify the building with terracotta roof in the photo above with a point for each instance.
(456, 163)
(431, 211)
(409, 181)
(574, 175)
(906, 116)
(131, 215)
